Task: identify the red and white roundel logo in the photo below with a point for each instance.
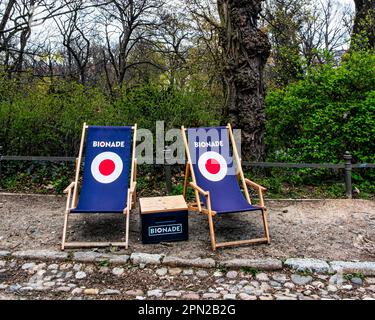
(213, 166)
(106, 167)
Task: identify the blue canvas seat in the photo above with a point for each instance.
(108, 184)
(217, 178)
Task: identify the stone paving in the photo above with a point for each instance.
(67, 279)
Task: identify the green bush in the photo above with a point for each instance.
(43, 118)
(320, 117)
(328, 112)
(46, 119)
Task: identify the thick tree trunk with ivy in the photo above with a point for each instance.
(245, 50)
(363, 35)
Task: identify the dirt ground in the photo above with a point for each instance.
(326, 229)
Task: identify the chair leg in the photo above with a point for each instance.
(127, 212)
(66, 215)
(212, 231)
(265, 225)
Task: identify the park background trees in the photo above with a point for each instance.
(295, 75)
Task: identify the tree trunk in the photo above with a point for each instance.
(6, 16)
(245, 50)
(363, 34)
(24, 37)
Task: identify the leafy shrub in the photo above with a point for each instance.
(328, 112)
(39, 117)
(46, 119)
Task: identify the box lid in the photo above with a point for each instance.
(162, 204)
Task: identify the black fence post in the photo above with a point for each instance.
(348, 174)
(167, 169)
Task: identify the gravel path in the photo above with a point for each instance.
(326, 229)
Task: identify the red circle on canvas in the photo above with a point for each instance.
(212, 166)
(106, 167)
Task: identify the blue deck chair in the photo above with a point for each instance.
(106, 187)
(217, 178)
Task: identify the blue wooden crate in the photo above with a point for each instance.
(165, 227)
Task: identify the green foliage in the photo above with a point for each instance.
(250, 270)
(146, 104)
(179, 188)
(70, 256)
(104, 263)
(43, 119)
(288, 66)
(46, 119)
(328, 112)
(40, 117)
(222, 269)
(284, 22)
(27, 176)
(350, 276)
(363, 35)
(304, 273)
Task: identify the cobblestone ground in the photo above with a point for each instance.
(20, 279)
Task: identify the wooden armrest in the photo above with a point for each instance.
(69, 187)
(255, 185)
(132, 186)
(200, 190)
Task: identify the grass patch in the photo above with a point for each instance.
(104, 263)
(113, 249)
(250, 270)
(304, 273)
(222, 269)
(70, 256)
(350, 276)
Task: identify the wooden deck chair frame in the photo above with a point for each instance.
(199, 206)
(72, 198)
